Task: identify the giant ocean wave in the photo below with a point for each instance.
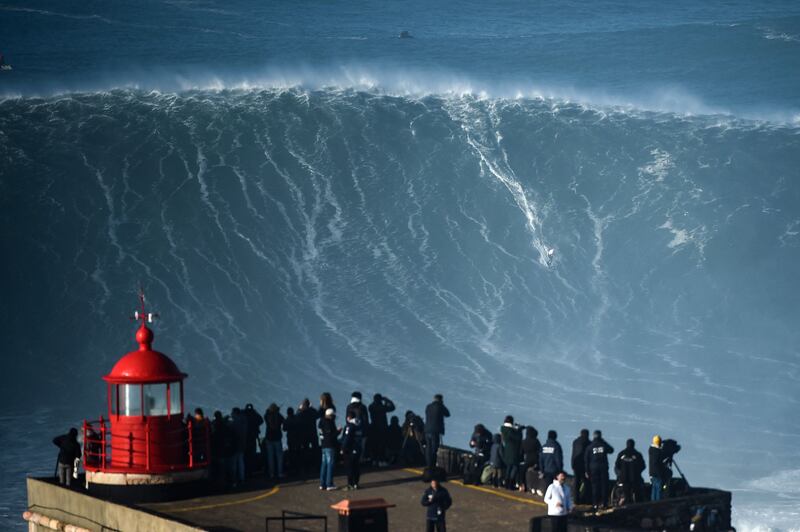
(296, 240)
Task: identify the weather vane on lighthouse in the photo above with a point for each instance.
(143, 315)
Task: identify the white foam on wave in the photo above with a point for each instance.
(413, 83)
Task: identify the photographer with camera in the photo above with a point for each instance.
(658, 473)
(379, 426)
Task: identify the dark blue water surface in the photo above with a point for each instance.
(312, 203)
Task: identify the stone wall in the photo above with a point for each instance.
(72, 507)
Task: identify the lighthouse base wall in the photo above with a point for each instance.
(147, 487)
(76, 508)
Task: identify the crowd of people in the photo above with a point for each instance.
(516, 462)
(512, 458)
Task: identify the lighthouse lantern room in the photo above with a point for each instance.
(144, 442)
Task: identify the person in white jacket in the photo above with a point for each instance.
(559, 501)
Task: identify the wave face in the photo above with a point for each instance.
(296, 241)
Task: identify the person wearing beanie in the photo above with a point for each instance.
(629, 467)
(596, 462)
(656, 469)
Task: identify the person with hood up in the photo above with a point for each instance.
(596, 463)
(481, 443)
(657, 474)
(551, 459)
(69, 451)
(583, 487)
(496, 463)
(512, 440)
(531, 448)
(328, 436)
(559, 502)
(351, 450)
(629, 467)
(435, 413)
(437, 500)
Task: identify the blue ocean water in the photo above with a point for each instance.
(312, 203)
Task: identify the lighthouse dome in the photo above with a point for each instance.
(144, 365)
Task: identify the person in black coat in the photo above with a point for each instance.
(531, 449)
(309, 440)
(596, 463)
(551, 460)
(254, 422)
(435, 413)
(394, 440)
(351, 450)
(378, 428)
(69, 450)
(629, 467)
(583, 487)
(481, 443)
(437, 501)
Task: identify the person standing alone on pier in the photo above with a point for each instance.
(69, 450)
(434, 428)
(437, 500)
(559, 503)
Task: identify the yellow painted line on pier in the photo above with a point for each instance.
(270, 493)
(486, 490)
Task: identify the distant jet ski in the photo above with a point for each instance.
(405, 35)
(3, 64)
(550, 256)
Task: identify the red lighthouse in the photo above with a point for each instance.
(144, 449)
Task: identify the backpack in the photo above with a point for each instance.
(486, 474)
(471, 473)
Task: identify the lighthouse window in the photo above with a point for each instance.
(175, 398)
(155, 399)
(130, 400)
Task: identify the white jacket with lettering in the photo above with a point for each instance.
(558, 493)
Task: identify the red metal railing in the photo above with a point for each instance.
(98, 448)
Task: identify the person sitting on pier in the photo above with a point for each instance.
(531, 449)
(559, 502)
(481, 443)
(328, 436)
(629, 467)
(512, 440)
(435, 413)
(69, 451)
(437, 500)
(596, 463)
(496, 464)
(551, 460)
(352, 443)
